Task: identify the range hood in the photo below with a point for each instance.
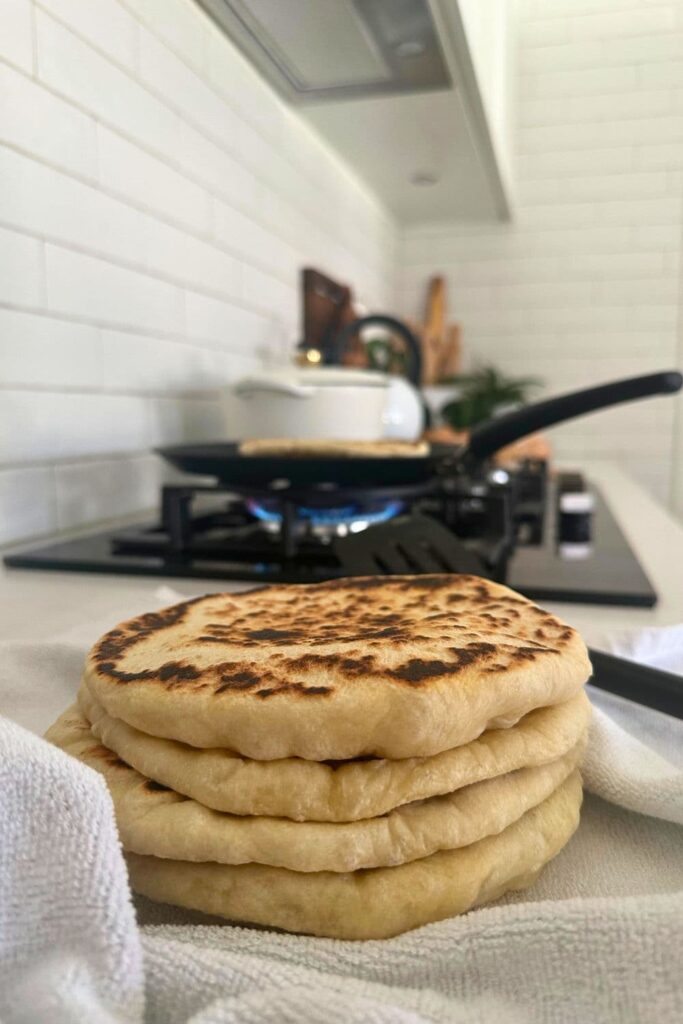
(314, 51)
(402, 89)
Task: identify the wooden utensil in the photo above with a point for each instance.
(450, 362)
(433, 334)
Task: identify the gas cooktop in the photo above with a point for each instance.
(552, 541)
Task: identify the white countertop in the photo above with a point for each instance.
(43, 605)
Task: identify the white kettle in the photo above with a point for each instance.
(326, 402)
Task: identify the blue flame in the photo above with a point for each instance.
(268, 512)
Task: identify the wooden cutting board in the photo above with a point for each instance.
(441, 346)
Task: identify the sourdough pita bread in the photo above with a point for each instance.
(395, 667)
(316, 791)
(370, 904)
(157, 821)
(304, 448)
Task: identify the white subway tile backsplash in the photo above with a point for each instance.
(633, 292)
(629, 21)
(39, 350)
(558, 164)
(27, 503)
(95, 289)
(576, 345)
(580, 82)
(561, 56)
(561, 214)
(169, 76)
(94, 490)
(566, 266)
(599, 134)
(190, 260)
(640, 211)
(29, 426)
(250, 96)
(264, 291)
(68, 65)
(128, 170)
(544, 31)
(665, 155)
(613, 266)
(210, 165)
(645, 237)
(36, 198)
(245, 235)
(526, 296)
(179, 23)
(43, 425)
(16, 33)
(661, 75)
(586, 109)
(104, 23)
(133, 362)
(88, 424)
(533, 9)
(21, 269)
(32, 119)
(173, 421)
(497, 271)
(225, 324)
(594, 187)
(606, 51)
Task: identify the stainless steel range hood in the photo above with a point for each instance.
(316, 51)
(412, 94)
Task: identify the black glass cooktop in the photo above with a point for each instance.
(234, 546)
(604, 572)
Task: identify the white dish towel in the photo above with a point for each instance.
(598, 939)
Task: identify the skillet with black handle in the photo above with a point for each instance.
(224, 461)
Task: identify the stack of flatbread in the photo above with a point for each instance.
(349, 759)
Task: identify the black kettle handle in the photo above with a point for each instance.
(495, 434)
(334, 351)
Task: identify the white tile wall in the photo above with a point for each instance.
(26, 497)
(16, 44)
(36, 121)
(585, 285)
(107, 26)
(157, 203)
(22, 276)
(39, 351)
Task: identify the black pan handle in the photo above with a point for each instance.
(652, 687)
(495, 434)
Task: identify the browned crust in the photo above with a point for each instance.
(397, 667)
(450, 616)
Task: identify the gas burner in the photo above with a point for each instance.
(284, 531)
(325, 522)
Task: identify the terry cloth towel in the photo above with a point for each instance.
(599, 938)
(69, 946)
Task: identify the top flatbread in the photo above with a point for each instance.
(305, 448)
(398, 667)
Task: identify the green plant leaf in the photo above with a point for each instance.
(481, 393)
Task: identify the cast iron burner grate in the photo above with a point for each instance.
(278, 524)
(509, 521)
